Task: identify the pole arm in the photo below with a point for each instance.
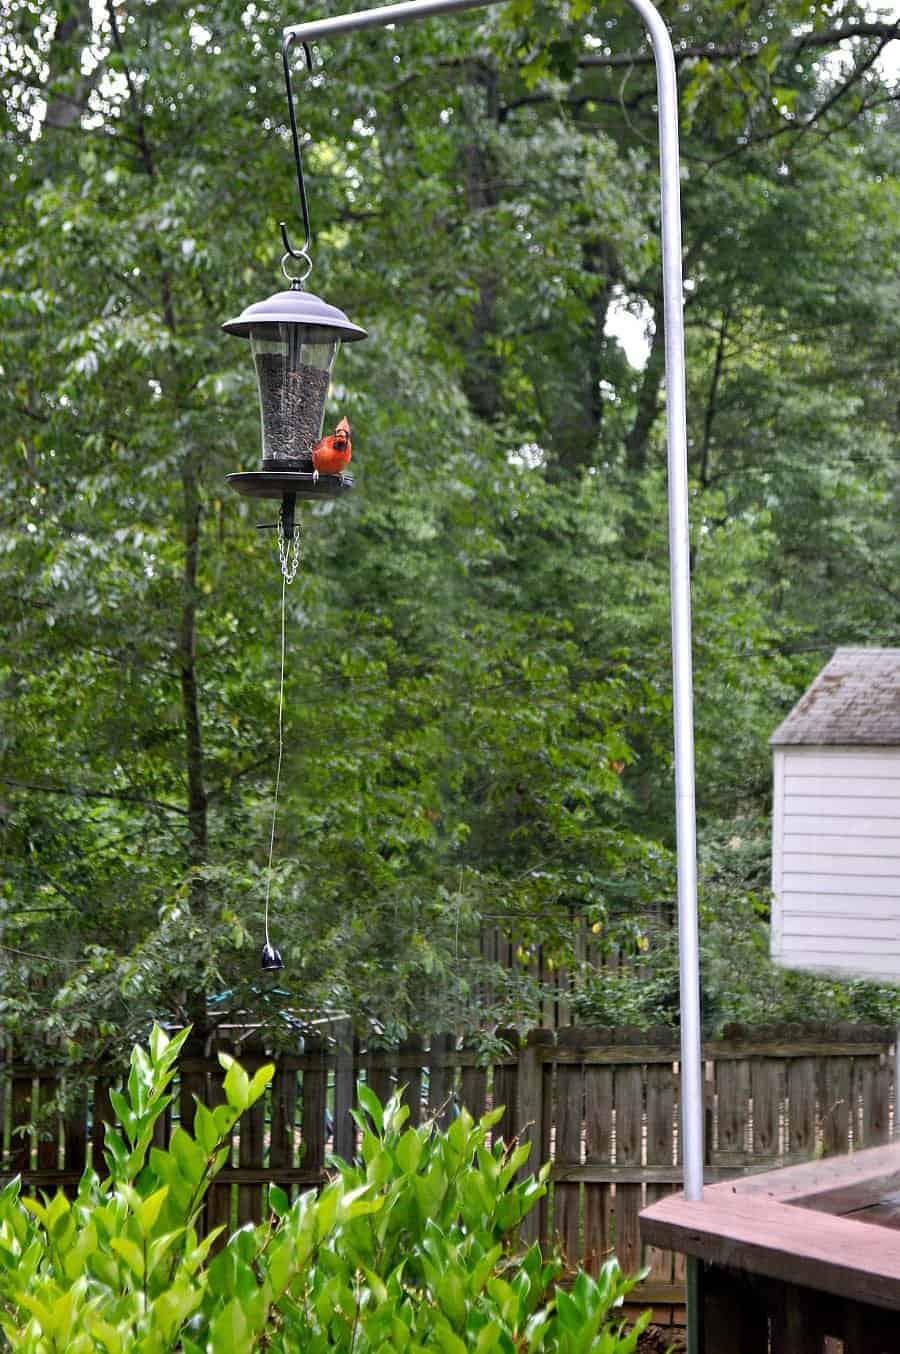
(679, 546)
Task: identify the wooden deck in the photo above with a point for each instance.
(804, 1260)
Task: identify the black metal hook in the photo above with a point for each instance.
(286, 59)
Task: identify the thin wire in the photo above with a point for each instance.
(280, 753)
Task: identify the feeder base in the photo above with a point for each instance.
(277, 483)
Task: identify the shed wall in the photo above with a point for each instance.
(836, 860)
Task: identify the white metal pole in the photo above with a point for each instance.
(679, 551)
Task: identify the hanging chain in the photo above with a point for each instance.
(288, 551)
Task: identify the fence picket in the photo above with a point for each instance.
(598, 1112)
(506, 1077)
(660, 1091)
(529, 1111)
(440, 1077)
(411, 1077)
(628, 1094)
(75, 1128)
(315, 1086)
(48, 1137)
(801, 1092)
(569, 1119)
(344, 1089)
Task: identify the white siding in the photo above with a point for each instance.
(836, 860)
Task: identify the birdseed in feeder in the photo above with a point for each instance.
(292, 400)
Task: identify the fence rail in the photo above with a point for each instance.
(600, 1104)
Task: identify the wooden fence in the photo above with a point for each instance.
(601, 1104)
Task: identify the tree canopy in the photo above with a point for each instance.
(478, 687)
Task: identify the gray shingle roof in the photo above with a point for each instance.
(854, 700)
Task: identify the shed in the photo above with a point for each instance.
(836, 829)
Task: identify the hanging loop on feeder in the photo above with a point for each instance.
(296, 254)
(288, 550)
(290, 249)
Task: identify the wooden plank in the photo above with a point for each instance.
(21, 1116)
(831, 761)
(193, 1075)
(569, 1120)
(872, 825)
(885, 788)
(660, 1092)
(315, 1088)
(628, 1096)
(505, 1089)
(868, 865)
(101, 1114)
(765, 1090)
(598, 1150)
(529, 1112)
(764, 1236)
(733, 1316)
(344, 1089)
(728, 1050)
(801, 1091)
(48, 1122)
(548, 1099)
(881, 1114)
(75, 1128)
(411, 1079)
(835, 1185)
(863, 1100)
(797, 1317)
(817, 843)
(282, 1146)
(251, 1129)
(854, 926)
(869, 807)
(220, 1197)
(440, 1078)
(732, 1089)
(834, 1102)
(473, 1091)
(380, 1075)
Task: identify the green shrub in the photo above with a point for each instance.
(411, 1249)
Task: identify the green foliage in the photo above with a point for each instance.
(480, 637)
(412, 1249)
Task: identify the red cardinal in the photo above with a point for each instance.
(332, 455)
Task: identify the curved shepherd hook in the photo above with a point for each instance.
(298, 161)
(410, 11)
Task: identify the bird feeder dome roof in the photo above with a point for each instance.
(300, 308)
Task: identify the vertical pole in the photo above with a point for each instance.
(896, 1133)
(680, 585)
(679, 559)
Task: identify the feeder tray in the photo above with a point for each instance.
(300, 483)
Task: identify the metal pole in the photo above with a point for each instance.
(679, 551)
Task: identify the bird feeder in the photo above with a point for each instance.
(294, 338)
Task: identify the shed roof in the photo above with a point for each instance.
(854, 700)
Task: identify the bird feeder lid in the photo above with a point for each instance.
(297, 307)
